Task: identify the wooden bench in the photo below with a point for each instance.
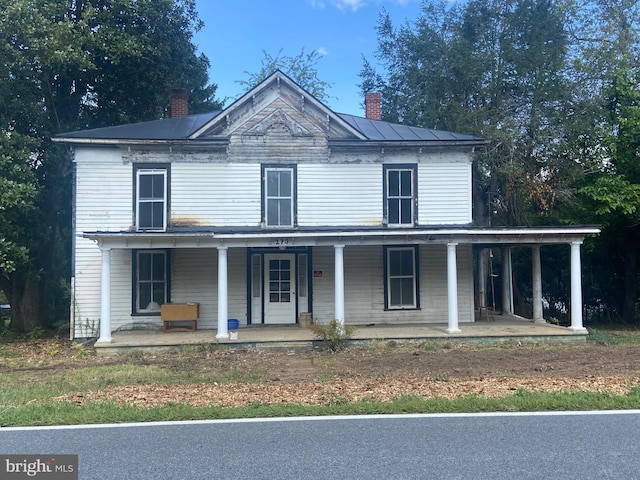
(176, 313)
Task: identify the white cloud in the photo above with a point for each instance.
(317, 4)
(353, 5)
(402, 3)
(323, 52)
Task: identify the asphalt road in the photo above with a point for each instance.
(595, 445)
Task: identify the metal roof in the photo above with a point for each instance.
(388, 132)
(177, 128)
(181, 128)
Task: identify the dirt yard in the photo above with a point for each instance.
(380, 372)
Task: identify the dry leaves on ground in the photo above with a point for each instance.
(340, 390)
(322, 378)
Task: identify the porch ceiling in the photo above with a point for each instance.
(229, 237)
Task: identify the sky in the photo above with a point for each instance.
(236, 32)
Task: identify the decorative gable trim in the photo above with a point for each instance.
(279, 118)
(278, 80)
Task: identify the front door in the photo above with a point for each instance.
(280, 283)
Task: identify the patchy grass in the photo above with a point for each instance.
(53, 413)
(53, 381)
(608, 337)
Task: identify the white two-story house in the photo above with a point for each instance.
(278, 206)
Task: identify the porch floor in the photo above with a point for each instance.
(291, 338)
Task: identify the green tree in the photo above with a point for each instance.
(604, 120)
(613, 192)
(302, 68)
(497, 69)
(553, 86)
(492, 68)
(69, 66)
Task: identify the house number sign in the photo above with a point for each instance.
(283, 242)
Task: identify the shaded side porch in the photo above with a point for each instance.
(503, 328)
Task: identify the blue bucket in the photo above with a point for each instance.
(233, 324)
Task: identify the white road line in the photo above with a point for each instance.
(327, 418)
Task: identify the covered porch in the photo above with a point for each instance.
(449, 239)
(500, 328)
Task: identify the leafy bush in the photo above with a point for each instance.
(36, 334)
(333, 334)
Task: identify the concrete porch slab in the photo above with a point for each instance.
(286, 338)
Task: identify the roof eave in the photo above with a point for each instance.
(483, 238)
(138, 142)
(407, 143)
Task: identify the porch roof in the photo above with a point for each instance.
(212, 237)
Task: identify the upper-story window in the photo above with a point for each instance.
(151, 203)
(279, 195)
(400, 195)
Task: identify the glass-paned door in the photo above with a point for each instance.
(280, 283)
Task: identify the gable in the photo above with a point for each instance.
(278, 105)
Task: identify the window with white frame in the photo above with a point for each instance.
(400, 195)
(279, 196)
(150, 280)
(401, 277)
(151, 199)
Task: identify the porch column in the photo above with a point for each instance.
(223, 307)
(452, 289)
(576, 289)
(482, 281)
(536, 280)
(507, 289)
(105, 297)
(339, 283)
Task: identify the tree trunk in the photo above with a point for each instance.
(630, 275)
(480, 200)
(27, 305)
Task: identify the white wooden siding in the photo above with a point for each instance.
(330, 194)
(104, 200)
(195, 279)
(215, 194)
(104, 191)
(86, 301)
(444, 193)
(364, 286)
(121, 288)
(229, 194)
(323, 287)
(433, 282)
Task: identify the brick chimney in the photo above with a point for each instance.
(179, 102)
(372, 106)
